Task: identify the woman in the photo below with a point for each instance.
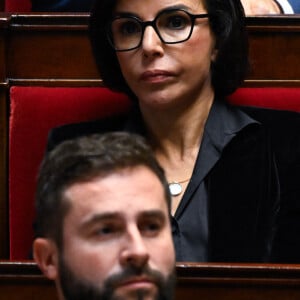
(178, 60)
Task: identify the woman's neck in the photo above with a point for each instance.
(177, 129)
(176, 136)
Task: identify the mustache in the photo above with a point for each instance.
(75, 288)
(131, 272)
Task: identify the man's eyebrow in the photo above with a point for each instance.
(153, 214)
(102, 217)
(110, 216)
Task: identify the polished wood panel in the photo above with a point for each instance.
(54, 49)
(2, 5)
(3, 142)
(240, 282)
(3, 173)
(23, 280)
(274, 50)
(3, 34)
(50, 50)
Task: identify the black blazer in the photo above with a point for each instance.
(61, 5)
(284, 128)
(251, 220)
(295, 5)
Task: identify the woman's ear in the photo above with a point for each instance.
(214, 54)
(45, 254)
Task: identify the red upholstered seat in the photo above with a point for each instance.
(17, 5)
(34, 110)
(276, 98)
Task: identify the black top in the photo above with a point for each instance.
(190, 225)
(244, 190)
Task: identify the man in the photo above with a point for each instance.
(295, 4)
(259, 7)
(103, 229)
(61, 5)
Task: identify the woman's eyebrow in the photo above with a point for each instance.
(165, 9)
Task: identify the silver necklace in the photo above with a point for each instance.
(175, 187)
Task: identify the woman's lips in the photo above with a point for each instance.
(156, 76)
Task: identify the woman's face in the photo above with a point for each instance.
(165, 74)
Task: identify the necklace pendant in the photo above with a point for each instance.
(175, 188)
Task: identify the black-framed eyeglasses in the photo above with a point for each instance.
(125, 32)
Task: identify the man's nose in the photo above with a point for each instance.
(134, 252)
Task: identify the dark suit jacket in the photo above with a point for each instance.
(245, 187)
(295, 5)
(62, 5)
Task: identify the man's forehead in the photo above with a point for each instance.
(136, 190)
(134, 210)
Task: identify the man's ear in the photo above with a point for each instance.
(45, 254)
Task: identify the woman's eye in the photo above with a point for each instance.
(176, 22)
(129, 28)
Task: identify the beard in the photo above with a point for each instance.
(74, 288)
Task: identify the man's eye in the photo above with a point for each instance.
(106, 231)
(151, 228)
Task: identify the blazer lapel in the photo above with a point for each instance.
(241, 207)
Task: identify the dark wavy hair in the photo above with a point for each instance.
(227, 22)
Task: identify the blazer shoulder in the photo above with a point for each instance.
(69, 131)
(272, 117)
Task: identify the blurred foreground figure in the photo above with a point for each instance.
(103, 220)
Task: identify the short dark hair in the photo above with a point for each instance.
(80, 160)
(227, 22)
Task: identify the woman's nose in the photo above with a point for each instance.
(151, 43)
(134, 252)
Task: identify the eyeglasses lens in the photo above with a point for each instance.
(171, 26)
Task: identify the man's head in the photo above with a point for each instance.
(103, 229)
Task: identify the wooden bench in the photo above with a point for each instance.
(23, 280)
